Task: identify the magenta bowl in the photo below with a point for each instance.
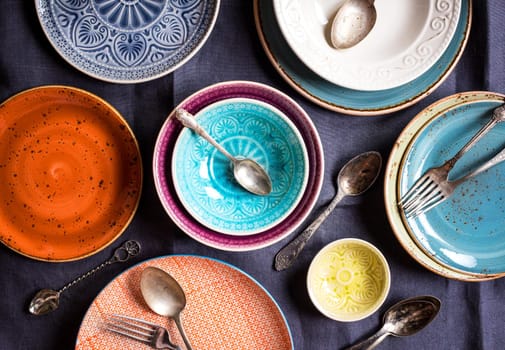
(163, 157)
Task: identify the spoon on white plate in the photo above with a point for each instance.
(352, 23)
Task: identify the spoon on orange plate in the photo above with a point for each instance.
(164, 295)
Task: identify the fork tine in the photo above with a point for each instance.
(122, 325)
(425, 191)
(423, 199)
(138, 320)
(126, 333)
(427, 205)
(419, 185)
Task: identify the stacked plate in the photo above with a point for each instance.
(461, 238)
(400, 62)
(195, 182)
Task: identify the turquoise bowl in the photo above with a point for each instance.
(203, 177)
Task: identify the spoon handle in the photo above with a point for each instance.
(178, 323)
(371, 342)
(189, 121)
(287, 255)
(121, 254)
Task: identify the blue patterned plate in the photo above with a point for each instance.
(348, 101)
(203, 177)
(465, 232)
(127, 41)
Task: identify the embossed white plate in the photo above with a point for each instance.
(127, 41)
(407, 39)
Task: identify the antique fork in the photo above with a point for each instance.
(420, 195)
(446, 188)
(146, 332)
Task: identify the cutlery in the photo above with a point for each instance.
(403, 319)
(352, 23)
(355, 177)
(164, 295)
(445, 188)
(48, 300)
(422, 195)
(143, 331)
(249, 174)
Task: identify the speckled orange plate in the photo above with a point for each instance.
(70, 173)
(225, 309)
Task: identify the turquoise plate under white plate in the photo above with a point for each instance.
(466, 232)
(203, 177)
(348, 101)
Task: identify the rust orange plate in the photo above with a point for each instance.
(70, 173)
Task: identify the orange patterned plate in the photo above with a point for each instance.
(225, 309)
(70, 170)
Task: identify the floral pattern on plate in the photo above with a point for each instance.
(127, 41)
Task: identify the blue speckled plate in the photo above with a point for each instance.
(466, 232)
(203, 177)
(348, 101)
(127, 41)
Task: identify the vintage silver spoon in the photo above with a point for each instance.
(164, 295)
(402, 319)
(355, 177)
(48, 300)
(352, 23)
(249, 174)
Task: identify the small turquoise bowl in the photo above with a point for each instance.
(203, 177)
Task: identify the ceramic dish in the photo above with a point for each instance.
(163, 157)
(203, 176)
(406, 40)
(460, 238)
(340, 99)
(224, 306)
(127, 41)
(348, 279)
(71, 170)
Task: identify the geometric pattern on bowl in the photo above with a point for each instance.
(348, 279)
(127, 41)
(163, 175)
(203, 177)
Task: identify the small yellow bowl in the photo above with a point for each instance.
(348, 280)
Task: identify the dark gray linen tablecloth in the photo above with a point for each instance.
(472, 315)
